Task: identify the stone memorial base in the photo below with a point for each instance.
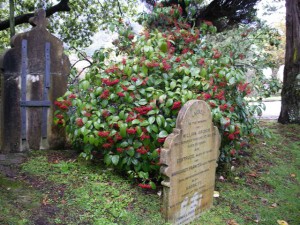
(189, 164)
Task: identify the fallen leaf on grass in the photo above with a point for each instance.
(293, 175)
(159, 193)
(282, 222)
(45, 200)
(252, 174)
(221, 178)
(232, 222)
(216, 194)
(274, 205)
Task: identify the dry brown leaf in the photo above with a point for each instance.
(274, 205)
(232, 222)
(293, 175)
(45, 200)
(252, 174)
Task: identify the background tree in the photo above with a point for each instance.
(224, 14)
(75, 22)
(290, 108)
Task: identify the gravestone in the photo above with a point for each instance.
(188, 161)
(34, 74)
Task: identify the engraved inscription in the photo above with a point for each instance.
(189, 160)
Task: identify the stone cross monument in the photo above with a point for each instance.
(34, 73)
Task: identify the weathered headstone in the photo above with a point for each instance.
(189, 164)
(33, 74)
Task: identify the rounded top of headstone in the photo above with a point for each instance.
(39, 19)
(193, 110)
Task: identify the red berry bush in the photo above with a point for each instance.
(125, 109)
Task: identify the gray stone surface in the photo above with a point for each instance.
(33, 61)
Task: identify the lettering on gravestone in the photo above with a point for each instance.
(189, 164)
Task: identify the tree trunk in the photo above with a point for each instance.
(12, 18)
(290, 107)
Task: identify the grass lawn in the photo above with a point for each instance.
(54, 187)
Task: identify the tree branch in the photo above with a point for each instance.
(78, 75)
(62, 6)
(119, 6)
(234, 12)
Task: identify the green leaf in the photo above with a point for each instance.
(115, 119)
(83, 130)
(131, 88)
(135, 121)
(157, 81)
(138, 130)
(85, 119)
(151, 112)
(104, 103)
(144, 123)
(154, 128)
(135, 68)
(107, 159)
(206, 87)
(152, 184)
(135, 161)
(143, 102)
(130, 152)
(115, 159)
(173, 85)
(186, 71)
(124, 144)
(195, 71)
(169, 102)
(163, 47)
(158, 121)
(185, 79)
(163, 134)
(128, 70)
(85, 85)
(150, 89)
(122, 115)
(232, 80)
(162, 120)
(129, 161)
(145, 70)
(151, 119)
(203, 72)
(91, 139)
(123, 129)
(138, 82)
(137, 144)
(96, 125)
